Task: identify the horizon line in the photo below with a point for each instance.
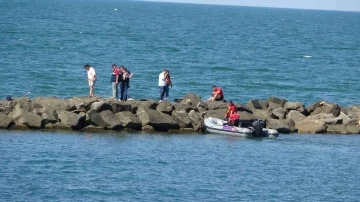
(276, 7)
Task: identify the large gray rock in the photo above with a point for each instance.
(328, 109)
(220, 113)
(298, 106)
(278, 113)
(279, 101)
(254, 104)
(129, 120)
(118, 106)
(165, 107)
(197, 121)
(311, 126)
(348, 120)
(246, 116)
(282, 126)
(49, 116)
(6, 122)
(273, 106)
(313, 106)
(151, 104)
(111, 120)
(295, 116)
(261, 114)
(182, 119)
(156, 119)
(72, 120)
(320, 116)
(55, 103)
(191, 99)
(184, 107)
(100, 106)
(82, 104)
(95, 119)
(16, 113)
(214, 105)
(343, 129)
(31, 120)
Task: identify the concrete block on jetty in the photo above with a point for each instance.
(186, 114)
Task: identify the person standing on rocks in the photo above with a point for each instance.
(162, 84)
(115, 82)
(91, 78)
(124, 83)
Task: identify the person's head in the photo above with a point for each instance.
(213, 87)
(87, 66)
(121, 67)
(114, 66)
(231, 103)
(124, 70)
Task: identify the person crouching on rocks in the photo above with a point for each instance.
(231, 108)
(217, 94)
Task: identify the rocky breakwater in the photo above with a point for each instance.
(187, 114)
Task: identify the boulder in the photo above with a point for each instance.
(95, 119)
(246, 116)
(282, 126)
(72, 120)
(311, 126)
(327, 109)
(156, 119)
(111, 120)
(220, 113)
(49, 116)
(298, 106)
(312, 107)
(57, 126)
(151, 104)
(347, 120)
(129, 120)
(264, 104)
(278, 101)
(55, 103)
(320, 116)
(261, 114)
(182, 119)
(31, 120)
(82, 104)
(214, 105)
(16, 113)
(196, 121)
(202, 106)
(337, 129)
(353, 129)
(278, 113)
(6, 122)
(100, 106)
(295, 116)
(165, 107)
(118, 106)
(191, 99)
(254, 104)
(273, 106)
(184, 107)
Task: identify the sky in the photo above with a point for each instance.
(343, 5)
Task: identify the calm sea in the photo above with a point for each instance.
(252, 53)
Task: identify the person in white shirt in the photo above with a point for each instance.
(91, 79)
(162, 84)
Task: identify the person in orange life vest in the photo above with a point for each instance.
(217, 94)
(231, 107)
(234, 118)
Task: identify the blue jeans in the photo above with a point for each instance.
(115, 93)
(167, 92)
(163, 90)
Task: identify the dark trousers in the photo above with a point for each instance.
(123, 91)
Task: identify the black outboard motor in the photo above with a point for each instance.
(258, 126)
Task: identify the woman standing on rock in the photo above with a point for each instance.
(168, 83)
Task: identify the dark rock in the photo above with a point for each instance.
(156, 119)
(49, 116)
(182, 119)
(118, 106)
(6, 122)
(129, 120)
(95, 119)
(74, 121)
(111, 120)
(100, 106)
(165, 107)
(278, 101)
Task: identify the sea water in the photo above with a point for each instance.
(252, 53)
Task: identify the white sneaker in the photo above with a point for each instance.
(160, 101)
(130, 99)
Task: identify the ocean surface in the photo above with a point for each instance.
(252, 53)
(185, 167)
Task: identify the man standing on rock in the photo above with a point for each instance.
(115, 82)
(91, 79)
(162, 84)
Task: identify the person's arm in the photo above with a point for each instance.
(130, 74)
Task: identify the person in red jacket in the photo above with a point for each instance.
(217, 94)
(231, 108)
(234, 119)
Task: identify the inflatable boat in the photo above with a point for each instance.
(253, 128)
